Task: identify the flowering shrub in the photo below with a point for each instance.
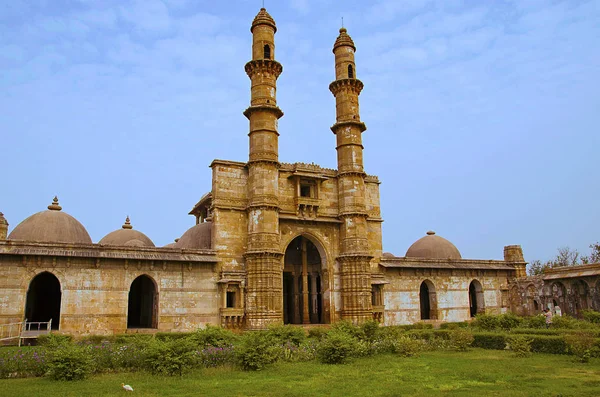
(22, 362)
(69, 362)
(212, 356)
(256, 350)
(337, 347)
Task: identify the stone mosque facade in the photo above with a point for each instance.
(273, 243)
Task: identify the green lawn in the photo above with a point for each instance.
(474, 373)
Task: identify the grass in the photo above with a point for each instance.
(442, 373)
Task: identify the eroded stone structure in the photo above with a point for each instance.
(273, 243)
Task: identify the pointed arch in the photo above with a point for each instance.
(43, 301)
(476, 298)
(267, 51)
(142, 307)
(428, 300)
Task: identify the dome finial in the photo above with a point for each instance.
(127, 224)
(54, 206)
(430, 233)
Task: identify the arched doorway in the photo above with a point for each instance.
(303, 284)
(581, 294)
(558, 294)
(43, 299)
(143, 304)
(428, 301)
(476, 302)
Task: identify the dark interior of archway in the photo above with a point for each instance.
(425, 304)
(142, 297)
(43, 299)
(293, 286)
(473, 299)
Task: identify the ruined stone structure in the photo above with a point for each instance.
(273, 243)
(572, 289)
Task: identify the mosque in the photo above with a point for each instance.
(273, 243)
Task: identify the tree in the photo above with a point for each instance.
(594, 256)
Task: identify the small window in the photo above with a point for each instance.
(231, 299)
(267, 51)
(350, 72)
(305, 191)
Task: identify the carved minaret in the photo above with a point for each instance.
(3, 227)
(354, 250)
(264, 300)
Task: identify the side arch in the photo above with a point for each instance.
(142, 303)
(476, 298)
(43, 301)
(428, 301)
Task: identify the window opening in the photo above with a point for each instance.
(230, 298)
(350, 72)
(267, 51)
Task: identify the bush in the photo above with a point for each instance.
(317, 333)
(22, 362)
(171, 336)
(336, 348)
(169, 357)
(53, 340)
(348, 328)
(452, 326)
(536, 322)
(211, 356)
(581, 344)
(256, 350)
(287, 334)
(461, 339)
(520, 345)
(370, 330)
(548, 344)
(486, 322)
(508, 321)
(214, 336)
(591, 316)
(69, 362)
(408, 347)
(489, 340)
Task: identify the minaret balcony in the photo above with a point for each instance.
(353, 85)
(268, 66)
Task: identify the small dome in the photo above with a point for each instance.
(172, 245)
(344, 39)
(263, 18)
(433, 247)
(388, 255)
(196, 237)
(127, 237)
(51, 226)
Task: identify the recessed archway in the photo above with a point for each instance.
(476, 301)
(303, 284)
(143, 303)
(428, 301)
(44, 299)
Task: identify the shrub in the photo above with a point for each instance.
(580, 344)
(520, 345)
(461, 339)
(564, 322)
(486, 322)
(422, 325)
(69, 362)
(508, 321)
(451, 326)
(537, 322)
(287, 334)
(22, 362)
(211, 356)
(170, 357)
(139, 340)
(256, 350)
(54, 340)
(305, 352)
(348, 328)
(317, 333)
(337, 347)
(214, 336)
(591, 316)
(548, 344)
(408, 347)
(489, 340)
(170, 336)
(370, 330)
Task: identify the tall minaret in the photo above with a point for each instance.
(354, 250)
(264, 300)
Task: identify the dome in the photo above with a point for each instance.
(196, 237)
(263, 18)
(51, 226)
(127, 237)
(433, 247)
(344, 39)
(388, 255)
(172, 245)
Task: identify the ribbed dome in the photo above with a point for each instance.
(344, 39)
(263, 18)
(433, 247)
(52, 226)
(197, 237)
(127, 237)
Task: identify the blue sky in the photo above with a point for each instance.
(483, 116)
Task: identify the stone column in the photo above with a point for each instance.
(305, 306)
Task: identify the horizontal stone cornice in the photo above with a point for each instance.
(352, 123)
(268, 66)
(264, 108)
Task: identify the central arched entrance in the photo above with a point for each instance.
(43, 299)
(476, 302)
(428, 301)
(303, 283)
(143, 304)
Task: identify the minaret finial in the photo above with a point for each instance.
(342, 22)
(127, 224)
(54, 206)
